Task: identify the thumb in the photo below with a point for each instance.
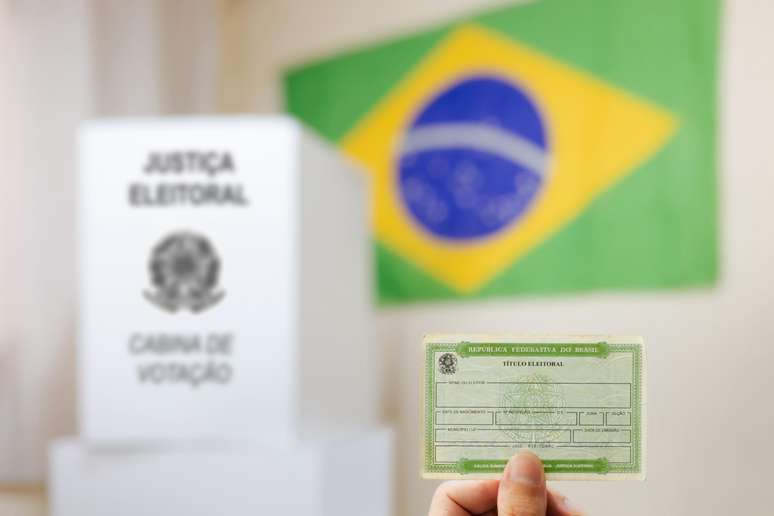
(523, 487)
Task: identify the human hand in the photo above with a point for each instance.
(521, 492)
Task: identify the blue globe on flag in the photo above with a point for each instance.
(473, 160)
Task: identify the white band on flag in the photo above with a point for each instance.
(478, 136)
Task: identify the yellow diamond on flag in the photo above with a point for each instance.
(463, 193)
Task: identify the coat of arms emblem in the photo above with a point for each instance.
(184, 270)
(447, 363)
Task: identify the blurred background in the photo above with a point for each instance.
(709, 398)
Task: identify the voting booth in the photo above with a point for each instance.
(225, 320)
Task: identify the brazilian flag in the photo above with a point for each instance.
(554, 146)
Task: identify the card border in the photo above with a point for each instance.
(635, 469)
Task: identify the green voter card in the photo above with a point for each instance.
(578, 402)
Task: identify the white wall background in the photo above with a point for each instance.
(45, 88)
(710, 401)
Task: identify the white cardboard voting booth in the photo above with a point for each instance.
(225, 286)
(225, 349)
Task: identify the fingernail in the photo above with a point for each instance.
(569, 507)
(525, 467)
